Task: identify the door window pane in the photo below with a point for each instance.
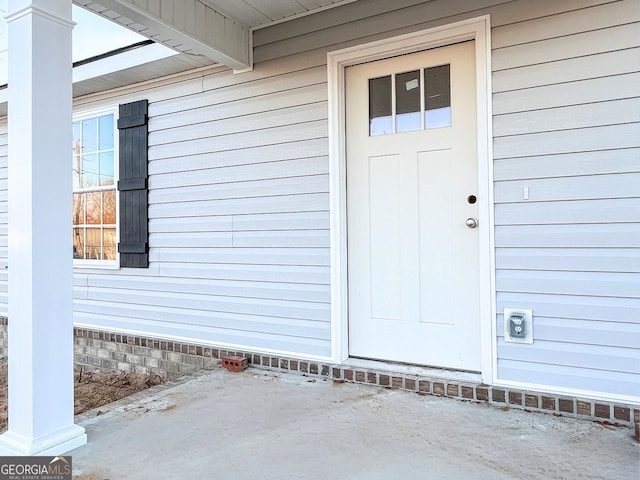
(408, 101)
(437, 95)
(380, 121)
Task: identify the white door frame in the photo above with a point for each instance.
(477, 29)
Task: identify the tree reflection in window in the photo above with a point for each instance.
(94, 195)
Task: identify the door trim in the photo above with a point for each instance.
(477, 29)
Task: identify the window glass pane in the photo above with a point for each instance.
(94, 208)
(77, 150)
(437, 93)
(89, 135)
(408, 101)
(106, 169)
(76, 169)
(93, 244)
(94, 195)
(105, 132)
(89, 173)
(78, 209)
(78, 243)
(380, 106)
(109, 207)
(77, 140)
(109, 243)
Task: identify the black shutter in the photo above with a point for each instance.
(132, 185)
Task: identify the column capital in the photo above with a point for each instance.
(34, 10)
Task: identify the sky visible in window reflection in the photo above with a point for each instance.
(92, 35)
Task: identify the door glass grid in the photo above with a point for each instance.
(410, 101)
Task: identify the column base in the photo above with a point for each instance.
(58, 443)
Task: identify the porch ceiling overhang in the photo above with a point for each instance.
(188, 26)
(219, 30)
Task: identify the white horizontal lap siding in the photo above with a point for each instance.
(3, 218)
(238, 217)
(566, 130)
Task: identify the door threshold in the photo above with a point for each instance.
(417, 370)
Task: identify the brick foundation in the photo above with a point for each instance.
(96, 350)
(99, 350)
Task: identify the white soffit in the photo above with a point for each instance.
(264, 13)
(220, 30)
(188, 26)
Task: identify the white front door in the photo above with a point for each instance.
(412, 187)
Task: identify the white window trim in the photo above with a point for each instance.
(477, 29)
(92, 113)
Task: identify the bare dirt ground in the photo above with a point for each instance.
(91, 389)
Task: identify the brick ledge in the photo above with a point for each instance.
(146, 354)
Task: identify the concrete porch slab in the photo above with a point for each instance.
(258, 424)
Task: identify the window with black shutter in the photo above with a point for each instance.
(132, 185)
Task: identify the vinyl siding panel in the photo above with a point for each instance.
(553, 330)
(581, 92)
(620, 311)
(568, 165)
(599, 235)
(574, 212)
(609, 284)
(315, 275)
(246, 156)
(570, 377)
(270, 255)
(563, 47)
(619, 260)
(258, 138)
(597, 114)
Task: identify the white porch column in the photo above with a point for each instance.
(40, 245)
